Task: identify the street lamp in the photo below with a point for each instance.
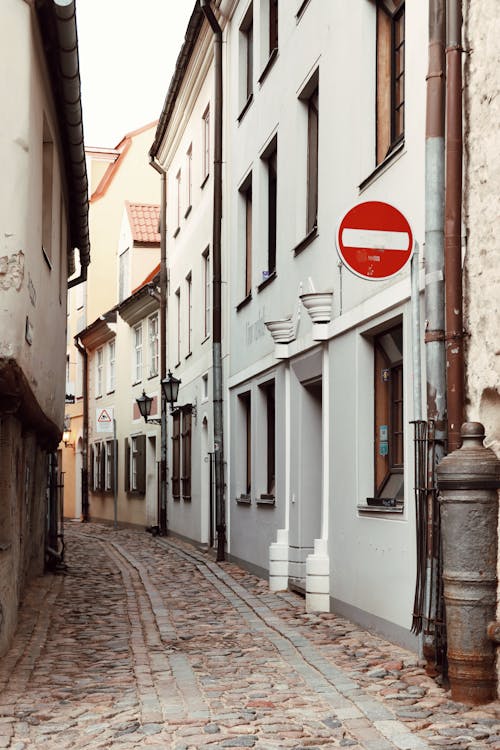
(170, 389)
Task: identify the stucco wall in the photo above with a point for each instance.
(481, 212)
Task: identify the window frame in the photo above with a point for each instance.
(153, 342)
(138, 353)
(178, 296)
(390, 17)
(189, 304)
(111, 379)
(206, 144)
(207, 289)
(99, 372)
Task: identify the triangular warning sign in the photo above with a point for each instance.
(104, 417)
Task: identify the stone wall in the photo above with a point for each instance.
(482, 214)
(23, 480)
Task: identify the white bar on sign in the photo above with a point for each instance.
(375, 239)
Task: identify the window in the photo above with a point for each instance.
(206, 143)
(312, 160)
(47, 192)
(246, 58)
(110, 447)
(137, 370)
(246, 194)
(271, 161)
(111, 366)
(204, 387)
(269, 391)
(179, 198)
(186, 452)
(206, 291)
(189, 285)
(124, 276)
(273, 25)
(389, 435)
(246, 404)
(390, 75)
(176, 455)
(178, 294)
(189, 178)
(99, 372)
(153, 345)
(135, 464)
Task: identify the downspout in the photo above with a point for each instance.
(217, 283)
(85, 451)
(453, 225)
(434, 311)
(162, 510)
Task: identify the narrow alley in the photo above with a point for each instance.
(147, 643)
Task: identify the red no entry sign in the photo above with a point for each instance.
(374, 240)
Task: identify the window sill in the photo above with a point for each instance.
(176, 498)
(380, 168)
(188, 211)
(245, 109)
(244, 500)
(266, 282)
(111, 392)
(186, 498)
(136, 382)
(301, 10)
(98, 396)
(207, 338)
(177, 365)
(152, 375)
(244, 302)
(268, 500)
(189, 354)
(272, 59)
(47, 258)
(368, 508)
(177, 232)
(310, 237)
(205, 180)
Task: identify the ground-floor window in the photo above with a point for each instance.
(135, 464)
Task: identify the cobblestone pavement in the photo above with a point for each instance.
(146, 643)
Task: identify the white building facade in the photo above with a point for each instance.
(320, 490)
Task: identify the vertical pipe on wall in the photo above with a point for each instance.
(85, 435)
(217, 287)
(434, 305)
(453, 225)
(162, 510)
(415, 313)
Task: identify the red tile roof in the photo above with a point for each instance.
(144, 222)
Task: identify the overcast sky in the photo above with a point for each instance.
(127, 57)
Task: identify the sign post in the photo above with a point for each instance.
(374, 240)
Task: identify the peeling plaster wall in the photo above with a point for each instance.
(32, 286)
(481, 214)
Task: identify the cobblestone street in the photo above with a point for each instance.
(147, 643)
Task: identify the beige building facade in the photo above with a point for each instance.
(44, 218)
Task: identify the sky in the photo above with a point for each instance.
(127, 55)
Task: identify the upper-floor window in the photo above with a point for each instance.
(206, 292)
(153, 345)
(111, 366)
(189, 178)
(206, 142)
(390, 75)
(178, 298)
(273, 25)
(246, 57)
(312, 102)
(178, 179)
(246, 195)
(124, 275)
(270, 158)
(137, 363)
(47, 192)
(99, 372)
(189, 289)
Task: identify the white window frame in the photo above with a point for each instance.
(137, 362)
(133, 464)
(206, 142)
(153, 338)
(207, 288)
(108, 481)
(111, 366)
(99, 369)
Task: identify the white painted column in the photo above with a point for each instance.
(278, 550)
(318, 563)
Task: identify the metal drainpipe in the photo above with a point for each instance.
(217, 281)
(453, 225)
(162, 510)
(434, 295)
(85, 451)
